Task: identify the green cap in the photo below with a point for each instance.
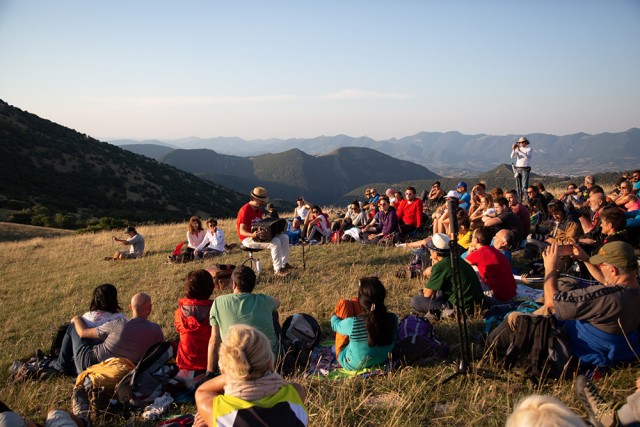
(619, 254)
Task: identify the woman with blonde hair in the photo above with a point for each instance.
(543, 411)
(248, 391)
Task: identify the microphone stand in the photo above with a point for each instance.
(461, 314)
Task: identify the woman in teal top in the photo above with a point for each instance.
(365, 330)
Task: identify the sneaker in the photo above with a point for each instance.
(288, 267)
(400, 245)
(281, 273)
(601, 413)
(158, 407)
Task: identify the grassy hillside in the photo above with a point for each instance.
(47, 280)
(18, 232)
(46, 169)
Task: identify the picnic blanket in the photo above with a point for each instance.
(324, 365)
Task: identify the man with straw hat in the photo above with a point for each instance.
(279, 245)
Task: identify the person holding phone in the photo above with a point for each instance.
(522, 153)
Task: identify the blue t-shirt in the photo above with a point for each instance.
(465, 201)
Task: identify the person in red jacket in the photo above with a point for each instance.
(410, 212)
(191, 320)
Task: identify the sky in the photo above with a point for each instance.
(158, 69)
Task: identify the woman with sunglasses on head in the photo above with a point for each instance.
(317, 224)
(365, 330)
(627, 200)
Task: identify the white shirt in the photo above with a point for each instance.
(523, 155)
(216, 240)
(195, 239)
(302, 211)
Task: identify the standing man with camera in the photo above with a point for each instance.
(522, 153)
(279, 244)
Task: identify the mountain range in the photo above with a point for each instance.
(447, 154)
(323, 179)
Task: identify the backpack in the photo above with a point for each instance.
(95, 386)
(151, 376)
(301, 328)
(417, 340)
(301, 333)
(539, 345)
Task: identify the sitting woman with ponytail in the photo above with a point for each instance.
(365, 330)
(248, 391)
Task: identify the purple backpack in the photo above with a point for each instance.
(417, 340)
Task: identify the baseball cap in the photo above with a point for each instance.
(462, 184)
(619, 254)
(453, 194)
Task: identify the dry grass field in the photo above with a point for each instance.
(47, 279)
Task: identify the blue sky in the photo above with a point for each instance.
(298, 69)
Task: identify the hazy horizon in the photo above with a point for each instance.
(285, 69)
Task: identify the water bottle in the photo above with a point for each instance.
(258, 268)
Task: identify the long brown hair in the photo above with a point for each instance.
(371, 295)
(191, 228)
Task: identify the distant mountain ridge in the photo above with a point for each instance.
(453, 153)
(322, 179)
(58, 170)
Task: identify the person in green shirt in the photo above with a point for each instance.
(242, 306)
(439, 291)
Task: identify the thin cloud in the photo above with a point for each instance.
(174, 101)
(364, 94)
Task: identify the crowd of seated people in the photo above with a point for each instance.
(239, 360)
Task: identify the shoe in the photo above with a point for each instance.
(108, 258)
(400, 245)
(288, 267)
(601, 413)
(158, 407)
(281, 273)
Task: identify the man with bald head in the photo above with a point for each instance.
(83, 346)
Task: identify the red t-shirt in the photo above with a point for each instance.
(495, 270)
(246, 215)
(411, 213)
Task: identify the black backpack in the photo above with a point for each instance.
(301, 333)
(540, 347)
(153, 373)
